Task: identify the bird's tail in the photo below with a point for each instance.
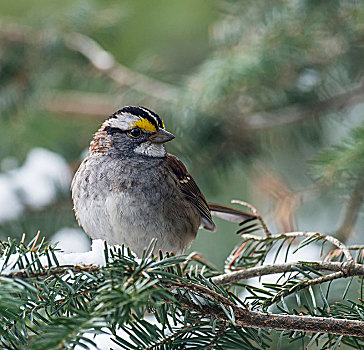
(230, 214)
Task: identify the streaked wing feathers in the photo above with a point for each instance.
(191, 191)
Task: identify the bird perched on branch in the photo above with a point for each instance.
(130, 190)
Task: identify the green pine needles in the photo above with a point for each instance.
(176, 302)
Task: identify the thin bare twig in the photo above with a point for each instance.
(286, 200)
(337, 252)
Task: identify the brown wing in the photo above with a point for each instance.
(191, 191)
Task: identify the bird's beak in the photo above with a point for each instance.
(161, 136)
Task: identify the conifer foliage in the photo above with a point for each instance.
(174, 302)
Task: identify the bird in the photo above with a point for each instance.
(129, 190)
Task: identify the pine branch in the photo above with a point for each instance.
(172, 336)
(313, 235)
(348, 270)
(217, 336)
(117, 295)
(52, 271)
(255, 211)
(344, 270)
(247, 318)
(305, 284)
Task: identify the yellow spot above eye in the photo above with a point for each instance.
(145, 124)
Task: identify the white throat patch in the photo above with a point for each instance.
(151, 149)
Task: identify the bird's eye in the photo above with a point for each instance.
(134, 132)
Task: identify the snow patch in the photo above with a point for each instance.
(10, 205)
(43, 174)
(71, 240)
(93, 257)
(104, 341)
(36, 183)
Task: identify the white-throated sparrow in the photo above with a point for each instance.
(130, 190)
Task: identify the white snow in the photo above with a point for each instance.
(35, 184)
(308, 80)
(104, 342)
(10, 204)
(93, 257)
(43, 174)
(71, 240)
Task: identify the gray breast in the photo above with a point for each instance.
(132, 203)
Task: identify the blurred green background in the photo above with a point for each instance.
(265, 98)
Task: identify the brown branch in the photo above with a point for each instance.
(352, 210)
(244, 318)
(258, 271)
(106, 63)
(247, 318)
(267, 120)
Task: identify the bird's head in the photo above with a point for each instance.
(132, 130)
